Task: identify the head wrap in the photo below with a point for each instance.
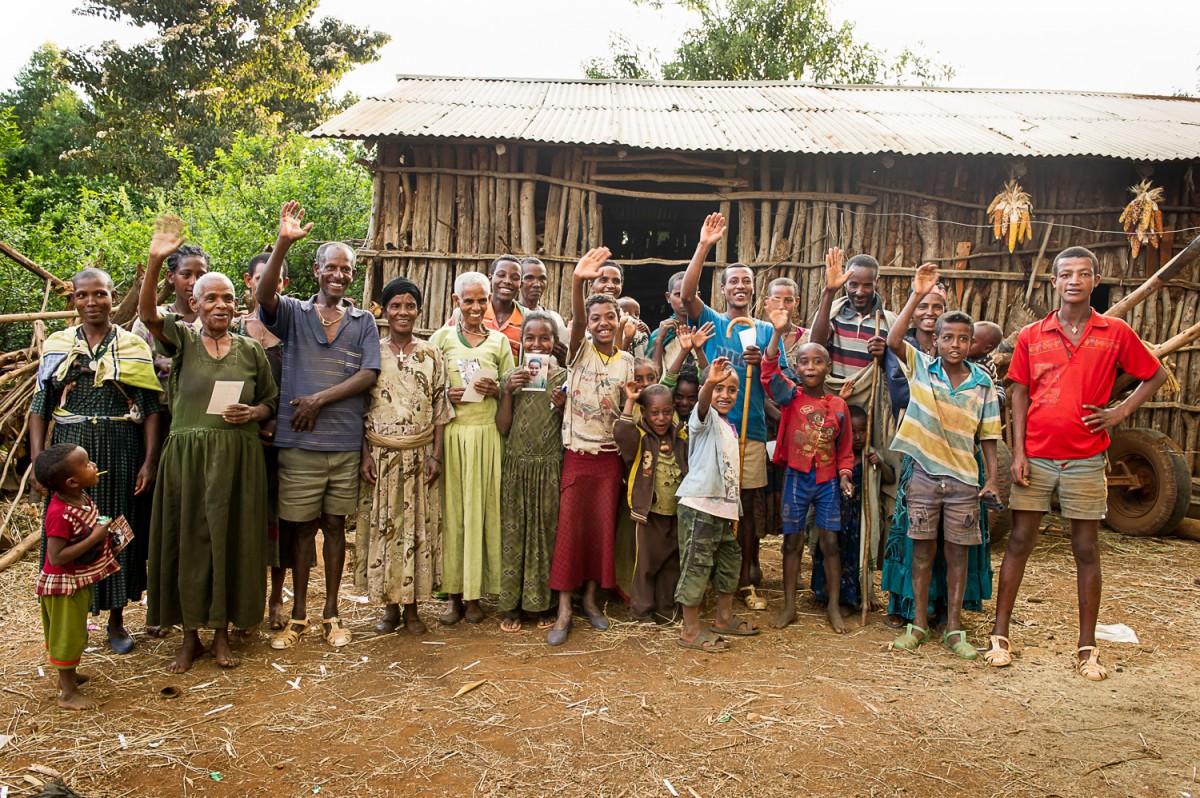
(398, 286)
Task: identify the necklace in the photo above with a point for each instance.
(1074, 327)
(216, 339)
(402, 352)
(321, 317)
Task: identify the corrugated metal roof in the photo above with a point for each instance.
(780, 117)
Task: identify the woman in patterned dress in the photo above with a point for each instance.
(407, 412)
(97, 382)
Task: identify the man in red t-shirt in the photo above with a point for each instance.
(1063, 368)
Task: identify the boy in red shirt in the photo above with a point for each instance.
(1063, 368)
(816, 445)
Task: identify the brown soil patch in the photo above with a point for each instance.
(801, 711)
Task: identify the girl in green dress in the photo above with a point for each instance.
(208, 543)
(531, 422)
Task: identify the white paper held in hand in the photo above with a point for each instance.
(748, 336)
(225, 393)
(472, 395)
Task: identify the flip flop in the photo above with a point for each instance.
(735, 628)
(707, 642)
(510, 623)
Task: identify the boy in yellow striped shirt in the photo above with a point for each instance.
(952, 402)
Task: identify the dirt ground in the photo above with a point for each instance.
(628, 713)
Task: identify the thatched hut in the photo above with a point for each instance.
(466, 169)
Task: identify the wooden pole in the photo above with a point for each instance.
(59, 283)
(1036, 269)
(9, 318)
(1157, 281)
(865, 585)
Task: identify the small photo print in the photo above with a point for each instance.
(467, 368)
(539, 368)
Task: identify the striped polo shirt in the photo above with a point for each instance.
(849, 332)
(940, 426)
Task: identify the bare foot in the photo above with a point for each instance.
(222, 653)
(835, 619)
(75, 700)
(191, 650)
(158, 631)
(80, 678)
(845, 611)
(277, 614)
(243, 634)
(786, 616)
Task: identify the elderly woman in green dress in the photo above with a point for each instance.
(208, 543)
(407, 412)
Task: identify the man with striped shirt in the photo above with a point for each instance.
(952, 402)
(846, 325)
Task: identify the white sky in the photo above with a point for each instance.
(1098, 45)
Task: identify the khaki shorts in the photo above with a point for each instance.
(933, 498)
(1080, 484)
(754, 466)
(312, 483)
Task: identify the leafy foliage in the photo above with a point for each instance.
(792, 40)
(213, 70)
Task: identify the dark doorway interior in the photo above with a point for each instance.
(665, 231)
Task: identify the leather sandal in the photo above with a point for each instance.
(996, 656)
(751, 599)
(336, 635)
(1090, 668)
(290, 635)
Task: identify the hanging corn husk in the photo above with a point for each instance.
(1142, 218)
(1010, 214)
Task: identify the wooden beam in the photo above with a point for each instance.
(9, 318)
(61, 284)
(1044, 211)
(716, 196)
(1158, 281)
(652, 177)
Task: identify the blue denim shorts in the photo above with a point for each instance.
(800, 491)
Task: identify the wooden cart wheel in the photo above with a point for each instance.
(1000, 523)
(1160, 501)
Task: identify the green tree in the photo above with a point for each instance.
(769, 40)
(213, 69)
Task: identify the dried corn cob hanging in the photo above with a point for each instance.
(1010, 214)
(1142, 218)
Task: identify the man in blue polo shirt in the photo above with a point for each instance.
(737, 285)
(330, 359)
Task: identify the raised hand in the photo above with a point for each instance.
(291, 222)
(925, 279)
(632, 390)
(702, 334)
(719, 371)
(847, 389)
(686, 337)
(667, 325)
(592, 261)
(779, 316)
(835, 276)
(713, 229)
(168, 237)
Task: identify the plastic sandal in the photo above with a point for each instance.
(961, 648)
(998, 657)
(1090, 668)
(751, 599)
(337, 635)
(910, 641)
(290, 635)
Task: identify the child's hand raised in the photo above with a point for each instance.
(632, 390)
(168, 237)
(713, 229)
(590, 264)
(702, 334)
(925, 279)
(779, 316)
(847, 389)
(719, 371)
(291, 222)
(835, 277)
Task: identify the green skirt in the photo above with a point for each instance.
(208, 532)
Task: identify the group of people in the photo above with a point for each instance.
(553, 463)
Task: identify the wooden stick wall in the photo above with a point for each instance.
(441, 209)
